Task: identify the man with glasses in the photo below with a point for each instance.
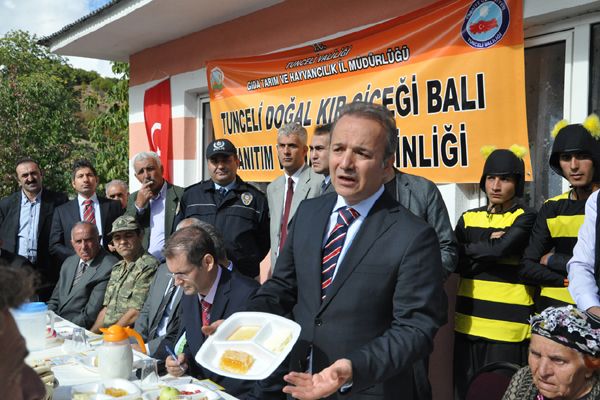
(130, 278)
(211, 293)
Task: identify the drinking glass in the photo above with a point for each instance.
(148, 373)
(79, 339)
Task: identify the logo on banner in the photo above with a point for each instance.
(216, 79)
(486, 23)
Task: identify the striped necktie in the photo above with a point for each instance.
(89, 214)
(79, 273)
(205, 312)
(333, 246)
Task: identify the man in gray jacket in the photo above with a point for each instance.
(423, 199)
(79, 293)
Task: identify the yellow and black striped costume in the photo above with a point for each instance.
(492, 304)
(556, 227)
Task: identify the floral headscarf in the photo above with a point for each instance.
(569, 327)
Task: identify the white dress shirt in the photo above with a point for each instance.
(94, 198)
(582, 281)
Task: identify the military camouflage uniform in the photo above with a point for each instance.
(128, 287)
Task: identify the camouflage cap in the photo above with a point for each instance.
(125, 223)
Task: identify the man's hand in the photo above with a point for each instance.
(144, 195)
(545, 258)
(312, 387)
(497, 235)
(212, 328)
(176, 367)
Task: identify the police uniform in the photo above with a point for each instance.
(128, 287)
(242, 217)
(556, 227)
(492, 305)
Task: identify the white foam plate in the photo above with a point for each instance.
(190, 387)
(265, 360)
(133, 391)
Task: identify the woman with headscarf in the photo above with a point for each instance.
(563, 358)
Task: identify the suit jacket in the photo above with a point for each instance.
(10, 211)
(308, 186)
(423, 198)
(174, 194)
(328, 187)
(149, 319)
(233, 292)
(383, 307)
(82, 303)
(67, 215)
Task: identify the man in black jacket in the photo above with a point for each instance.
(25, 221)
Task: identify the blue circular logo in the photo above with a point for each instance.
(486, 23)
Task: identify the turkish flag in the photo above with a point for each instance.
(157, 117)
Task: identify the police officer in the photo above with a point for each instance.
(238, 210)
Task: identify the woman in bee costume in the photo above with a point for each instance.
(492, 306)
(576, 157)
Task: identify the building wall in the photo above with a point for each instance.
(282, 26)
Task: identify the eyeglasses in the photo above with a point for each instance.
(183, 276)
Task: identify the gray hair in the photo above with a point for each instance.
(145, 155)
(116, 182)
(86, 223)
(215, 235)
(379, 114)
(293, 128)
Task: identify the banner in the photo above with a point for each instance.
(157, 118)
(452, 74)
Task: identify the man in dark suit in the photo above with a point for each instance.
(154, 206)
(210, 293)
(361, 273)
(79, 294)
(88, 206)
(319, 155)
(18, 235)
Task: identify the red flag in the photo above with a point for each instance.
(157, 117)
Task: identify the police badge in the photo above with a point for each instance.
(247, 198)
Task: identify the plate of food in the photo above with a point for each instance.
(249, 345)
(108, 389)
(188, 391)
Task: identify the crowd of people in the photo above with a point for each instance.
(354, 250)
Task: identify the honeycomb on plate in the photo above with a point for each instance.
(238, 362)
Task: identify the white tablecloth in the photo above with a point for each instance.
(68, 369)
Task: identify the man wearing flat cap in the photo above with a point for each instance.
(130, 278)
(238, 210)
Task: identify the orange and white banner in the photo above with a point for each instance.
(451, 73)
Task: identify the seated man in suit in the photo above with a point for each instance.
(154, 206)
(86, 207)
(210, 293)
(160, 313)
(130, 278)
(352, 272)
(79, 294)
(25, 221)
